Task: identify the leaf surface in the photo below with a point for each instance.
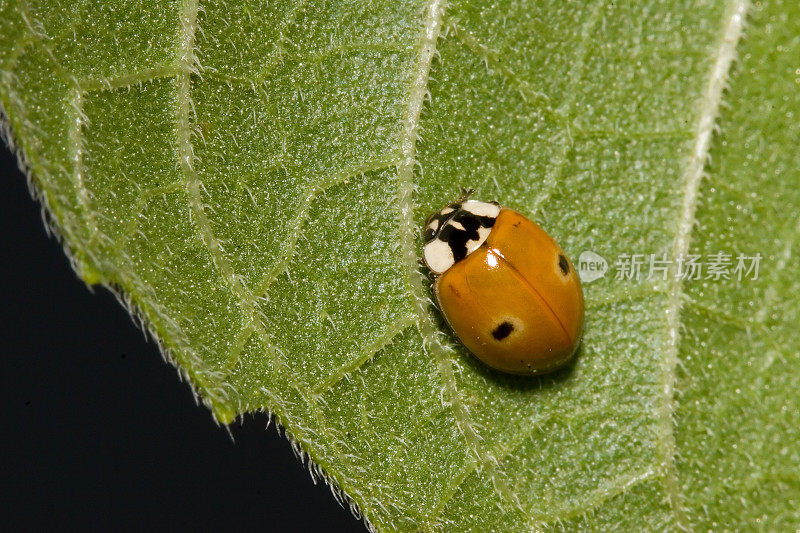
(252, 178)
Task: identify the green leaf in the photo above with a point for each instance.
(252, 179)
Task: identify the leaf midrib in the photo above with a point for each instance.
(434, 14)
(708, 113)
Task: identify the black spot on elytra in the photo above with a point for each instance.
(458, 238)
(563, 264)
(503, 330)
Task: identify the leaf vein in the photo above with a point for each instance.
(597, 498)
(504, 450)
(622, 135)
(276, 55)
(77, 144)
(295, 227)
(129, 79)
(709, 110)
(492, 58)
(264, 74)
(184, 132)
(553, 177)
(393, 331)
(293, 232)
(434, 14)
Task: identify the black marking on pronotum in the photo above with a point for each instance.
(458, 238)
(563, 264)
(503, 330)
(441, 219)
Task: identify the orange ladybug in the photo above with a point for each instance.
(504, 286)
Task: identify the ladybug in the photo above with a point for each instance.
(504, 286)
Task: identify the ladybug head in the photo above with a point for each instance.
(455, 231)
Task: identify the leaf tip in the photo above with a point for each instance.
(224, 414)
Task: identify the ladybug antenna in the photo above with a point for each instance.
(465, 194)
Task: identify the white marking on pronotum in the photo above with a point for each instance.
(481, 209)
(483, 234)
(457, 225)
(709, 109)
(438, 256)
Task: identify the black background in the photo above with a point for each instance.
(100, 433)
